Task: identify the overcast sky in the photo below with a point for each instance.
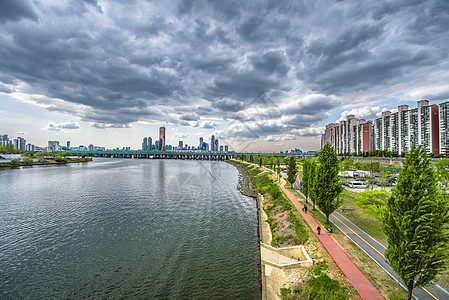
(261, 75)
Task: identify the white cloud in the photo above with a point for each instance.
(309, 131)
(181, 135)
(285, 137)
(63, 126)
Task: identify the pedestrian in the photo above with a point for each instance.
(330, 229)
(305, 209)
(318, 229)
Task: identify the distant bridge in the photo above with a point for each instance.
(158, 154)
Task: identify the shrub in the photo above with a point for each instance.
(28, 161)
(14, 162)
(324, 288)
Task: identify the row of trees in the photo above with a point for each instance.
(320, 180)
(415, 218)
(9, 149)
(269, 161)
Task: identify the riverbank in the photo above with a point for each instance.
(29, 162)
(281, 225)
(245, 185)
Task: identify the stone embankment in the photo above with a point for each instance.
(245, 185)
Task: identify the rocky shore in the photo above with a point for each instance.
(245, 185)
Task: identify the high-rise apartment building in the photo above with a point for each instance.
(216, 145)
(162, 138)
(4, 140)
(53, 145)
(425, 125)
(349, 136)
(149, 144)
(20, 143)
(444, 128)
(201, 144)
(226, 148)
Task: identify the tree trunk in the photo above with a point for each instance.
(409, 289)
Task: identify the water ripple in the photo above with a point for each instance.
(114, 228)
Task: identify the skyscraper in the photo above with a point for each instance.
(53, 145)
(149, 144)
(201, 144)
(162, 138)
(226, 148)
(145, 144)
(216, 145)
(68, 145)
(212, 143)
(180, 144)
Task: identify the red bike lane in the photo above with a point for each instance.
(363, 286)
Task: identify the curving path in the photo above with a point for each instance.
(363, 286)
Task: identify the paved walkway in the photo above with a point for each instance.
(363, 286)
(375, 251)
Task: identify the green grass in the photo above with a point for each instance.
(261, 183)
(370, 225)
(318, 286)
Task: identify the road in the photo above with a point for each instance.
(376, 250)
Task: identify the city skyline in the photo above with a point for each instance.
(260, 76)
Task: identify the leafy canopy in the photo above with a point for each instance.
(327, 184)
(415, 221)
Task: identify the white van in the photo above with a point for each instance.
(357, 185)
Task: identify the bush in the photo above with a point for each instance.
(300, 229)
(28, 161)
(285, 292)
(14, 162)
(325, 288)
(60, 159)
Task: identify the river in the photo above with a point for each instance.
(127, 228)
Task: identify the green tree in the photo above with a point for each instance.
(327, 183)
(312, 182)
(291, 170)
(305, 177)
(84, 155)
(415, 221)
(28, 161)
(443, 169)
(14, 162)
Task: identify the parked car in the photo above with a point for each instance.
(357, 185)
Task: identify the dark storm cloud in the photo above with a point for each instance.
(13, 10)
(187, 61)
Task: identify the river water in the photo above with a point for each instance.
(127, 228)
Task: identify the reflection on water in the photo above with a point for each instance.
(127, 228)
